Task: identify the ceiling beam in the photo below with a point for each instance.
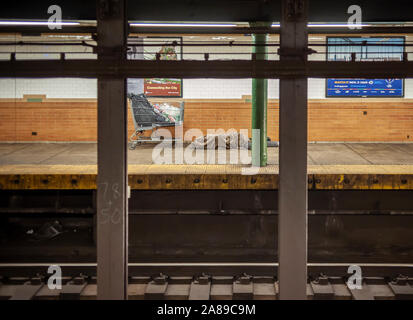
(204, 69)
(37, 30)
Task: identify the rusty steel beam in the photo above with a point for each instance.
(90, 29)
(204, 69)
(140, 180)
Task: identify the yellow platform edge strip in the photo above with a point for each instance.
(205, 177)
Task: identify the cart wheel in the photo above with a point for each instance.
(132, 145)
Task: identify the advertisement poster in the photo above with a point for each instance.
(169, 49)
(365, 49)
(160, 87)
(365, 87)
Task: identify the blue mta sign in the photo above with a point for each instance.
(364, 88)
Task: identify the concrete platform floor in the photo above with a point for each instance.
(318, 154)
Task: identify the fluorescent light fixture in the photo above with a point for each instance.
(201, 25)
(326, 25)
(342, 25)
(210, 25)
(36, 23)
(274, 25)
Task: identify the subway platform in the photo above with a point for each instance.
(331, 166)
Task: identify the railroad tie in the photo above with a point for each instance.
(178, 288)
(156, 288)
(200, 288)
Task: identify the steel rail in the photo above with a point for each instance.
(216, 269)
(207, 264)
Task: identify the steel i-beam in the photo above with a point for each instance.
(292, 224)
(112, 209)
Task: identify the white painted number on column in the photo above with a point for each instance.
(108, 214)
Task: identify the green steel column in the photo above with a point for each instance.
(259, 102)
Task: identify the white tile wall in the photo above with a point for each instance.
(408, 88)
(316, 88)
(73, 88)
(236, 88)
(7, 88)
(53, 88)
(273, 89)
(216, 88)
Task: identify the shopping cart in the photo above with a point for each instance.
(146, 119)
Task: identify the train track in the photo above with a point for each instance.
(209, 281)
(185, 249)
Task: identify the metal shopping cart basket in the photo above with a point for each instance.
(145, 119)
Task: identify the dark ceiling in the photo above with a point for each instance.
(214, 10)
